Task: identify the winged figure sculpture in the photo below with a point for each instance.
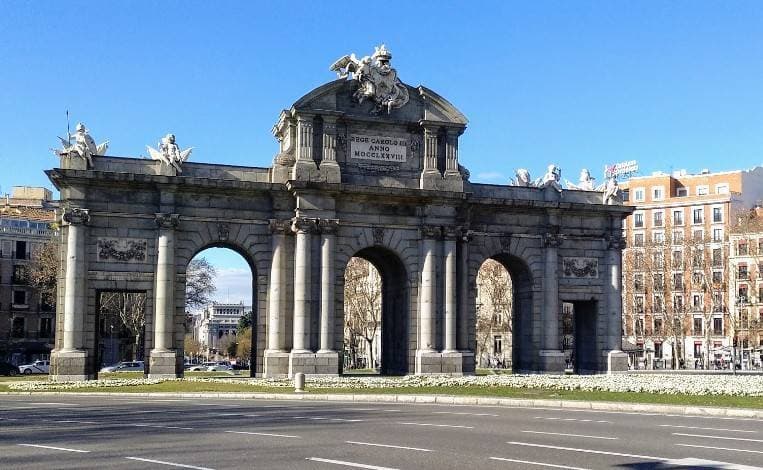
(169, 153)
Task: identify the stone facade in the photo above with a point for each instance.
(346, 182)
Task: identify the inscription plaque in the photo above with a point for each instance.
(378, 148)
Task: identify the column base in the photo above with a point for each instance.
(330, 172)
(163, 365)
(305, 170)
(616, 361)
(457, 363)
(428, 362)
(453, 181)
(69, 366)
(327, 363)
(276, 364)
(552, 361)
(302, 361)
(430, 179)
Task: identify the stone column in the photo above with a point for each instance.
(276, 358)
(428, 360)
(163, 355)
(616, 359)
(302, 291)
(328, 358)
(451, 307)
(463, 291)
(304, 168)
(430, 175)
(551, 356)
(329, 167)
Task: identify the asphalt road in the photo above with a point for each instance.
(132, 433)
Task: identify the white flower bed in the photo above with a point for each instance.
(742, 385)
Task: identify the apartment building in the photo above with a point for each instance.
(27, 323)
(218, 323)
(676, 270)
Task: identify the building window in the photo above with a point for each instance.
(682, 192)
(678, 237)
(678, 281)
(638, 239)
(717, 234)
(638, 219)
(760, 299)
(678, 218)
(17, 327)
(742, 248)
(658, 193)
(626, 194)
(46, 327)
(696, 302)
(718, 305)
(697, 235)
(717, 326)
(742, 271)
(698, 215)
(697, 258)
(20, 274)
(678, 303)
(717, 257)
(677, 259)
(657, 218)
(497, 345)
(760, 246)
(722, 188)
(638, 260)
(19, 298)
(658, 282)
(658, 260)
(717, 277)
(657, 350)
(697, 331)
(659, 305)
(742, 294)
(717, 214)
(638, 305)
(703, 190)
(638, 194)
(658, 237)
(697, 279)
(639, 326)
(638, 282)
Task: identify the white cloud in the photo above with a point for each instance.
(233, 285)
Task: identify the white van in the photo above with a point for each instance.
(37, 367)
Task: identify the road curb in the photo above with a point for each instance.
(642, 408)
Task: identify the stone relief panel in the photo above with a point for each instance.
(577, 267)
(122, 250)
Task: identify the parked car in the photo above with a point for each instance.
(221, 366)
(125, 366)
(7, 368)
(201, 367)
(37, 367)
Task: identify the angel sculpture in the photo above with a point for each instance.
(522, 178)
(611, 191)
(551, 178)
(586, 182)
(83, 145)
(169, 153)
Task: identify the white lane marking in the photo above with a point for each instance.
(75, 421)
(349, 464)
(169, 464)
(393, 411)
(360, 409)
(637, 413)
(722, 448)
(464, 413)
(542, 464)
(573, 419)
(388, 445)
(704, 429)
(718, 437)
(691, 462)
(158, 426)
(55, 448)
(438, 425)
(56, 404)
(324, 418)
(587, 451)
(269, 434)
(571, 435)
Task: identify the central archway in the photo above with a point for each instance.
(395, 324)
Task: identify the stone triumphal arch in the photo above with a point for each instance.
(367, 166)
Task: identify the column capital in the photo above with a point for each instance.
(328, 226)
(451, 233)
(76, 216)
(431, 231)
(166, 220)
(279, 226)
(552, 240)
(615, 242)
(304, 225)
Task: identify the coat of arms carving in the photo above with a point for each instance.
(376, 78)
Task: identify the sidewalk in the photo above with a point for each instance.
(640, 408)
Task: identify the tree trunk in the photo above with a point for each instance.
(370, 343)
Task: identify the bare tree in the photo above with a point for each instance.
(191, 346)
(362, 306)
(244, 346)
(494, 297)
(130, 308)
(43, 271)
(199, 283)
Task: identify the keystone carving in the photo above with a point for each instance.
(167, 221)
(76, 216)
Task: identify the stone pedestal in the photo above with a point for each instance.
(617, 361)
(69, 366)
(327, 363)
(330, 172)
(552, 362)
(276, 364)
(304, 362)
(455, 362)
(163, 365)
(428, 363)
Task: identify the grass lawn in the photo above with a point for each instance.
(482, 391)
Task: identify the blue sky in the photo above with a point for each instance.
(670, 84)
